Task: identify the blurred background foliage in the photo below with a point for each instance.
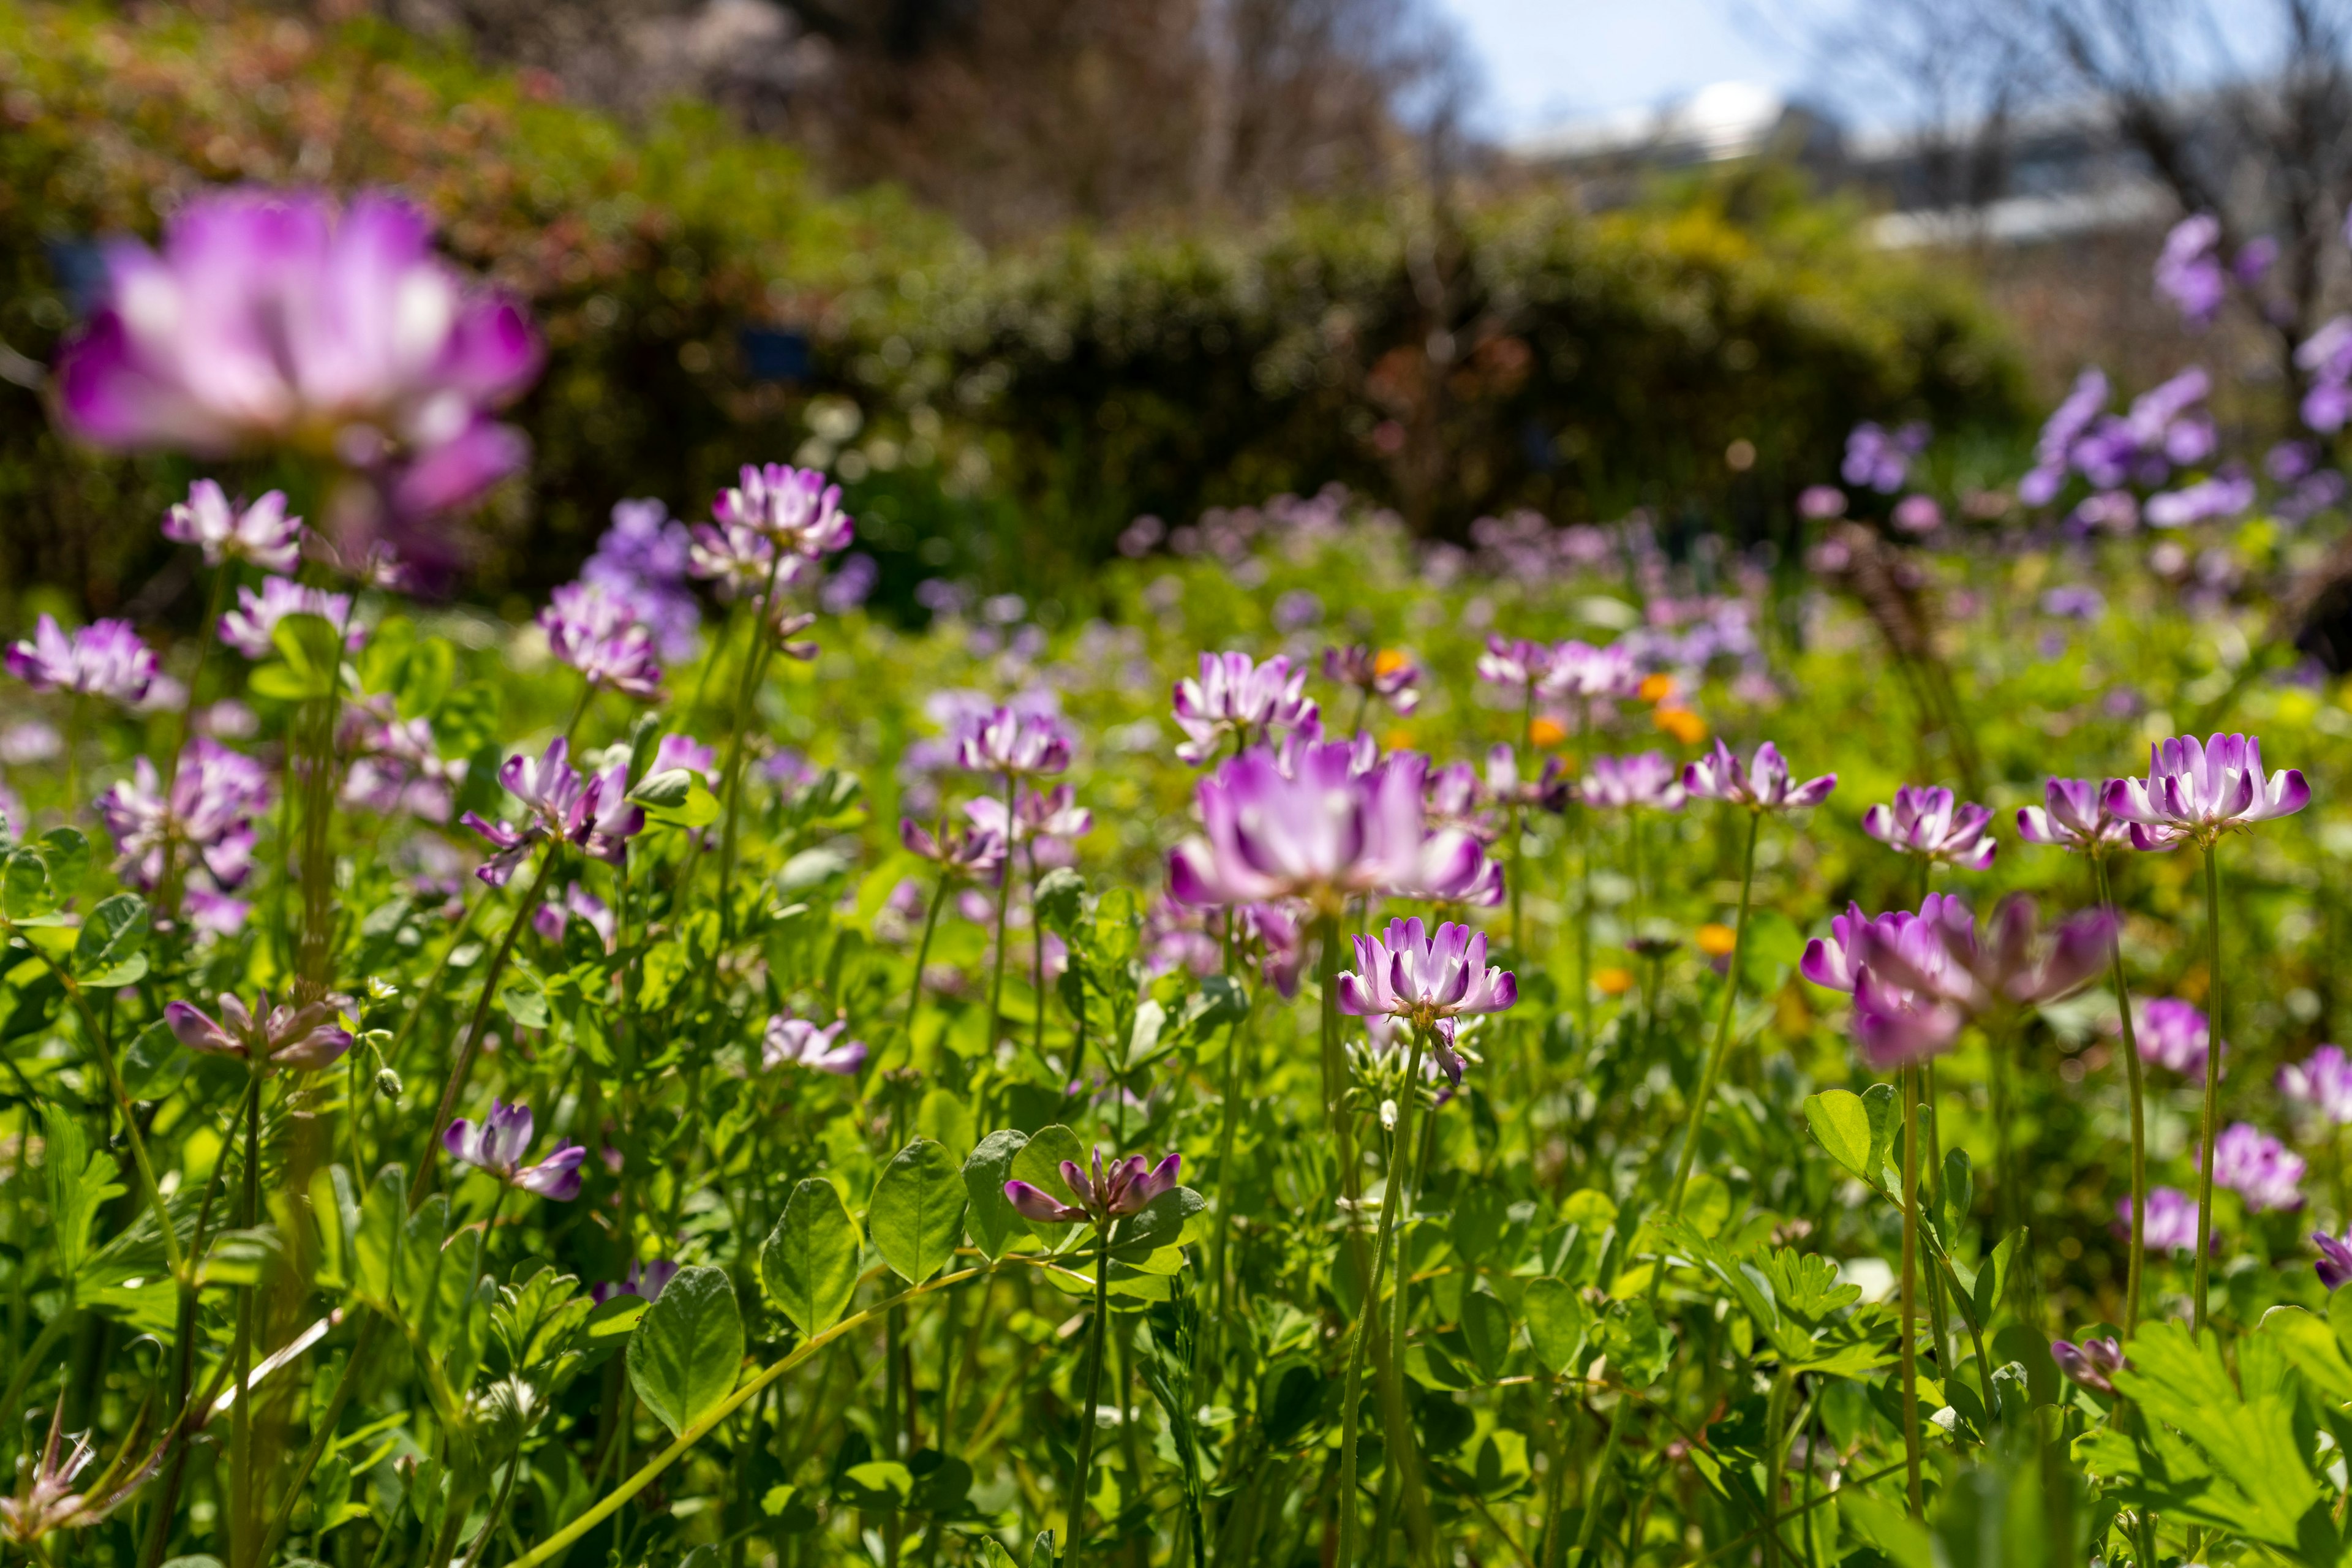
(1003, 410)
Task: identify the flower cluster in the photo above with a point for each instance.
(498, 1144)
(1646, 779)
(2322, 1081)
(1426, 981)
(2073, 816)
(261, 533)
(265, 1037)
(251, 627)
(1237, 700)
(2258, 1168)
(643, 559)
(796, 1042)
(206, 824)
(1929, 824)
(1766, 785)
(2194, 793)
(1389, 675)
(104, 659)
(561, 806)
(1103, 1197)
(597, 631)
(1880, 459)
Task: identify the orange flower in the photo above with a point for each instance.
(1656, 688)
(1716, 941)
(1389, 660)
(1681, 723)
(1613, 982)
(1396, 738)
(1547, 732)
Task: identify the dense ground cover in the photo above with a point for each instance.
(1362, 1051)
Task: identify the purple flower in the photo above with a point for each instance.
(1548, 790)
(2327, 356)
(2258, 1168)
(1454, 797)
(279, 320)
(851, 584)
(104, 659)
(643, 559)
(1245, 701)
(2225, 494)
(796, 1042)
(968, 852)
(1426, 981)
(2055, 450)
(1819, 503)
(594, 812)
(1123, 1190)
(597, 632)
(1274, 930)
(1881, 458)
(739, 560)
(1928, 824)
(2189, 270)
(2072, 601)
(1515, 661)
(1764, 787)
(1054, 814)
(2323, 1081)
(249, 626)
(262, 1036)
(2171, 1223)
(2090, 1363)
(1323, 832)
(395, 766)
(1917, 514)
(646, 1280)
(2194, 793)
(498, 1144)
(2075, 818)
(1577, 670)
(1015, 743)
(552, 917)
(214, 796)
(2172, 1034)
(1389, 675)
(2335, 1264)
(795, 509)
(677, 751)
(261, 533)
(1646, 779)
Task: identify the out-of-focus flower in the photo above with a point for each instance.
(2225, 494)
(261, 533)
(1281, 943)
(1236, 700)
(1454, 797)
(46, 1501)
(1053, 815)
(1123, 1190)
(851, 584)
(1515, 661)
(1881, 458)
(1324, 832)
(1389, 675)
(740, 561)
(1916, 514)
(2089, 1364)
(796, 1042)
(2055, 450)
(681, 751)
(365, 564)
(248, 628)
(2189, 270)
(263, 1037)
(498, 1145)
(2194, 793)
(396, 766)
(1646, 779)
(552, 917)
(1015, 743)
(1819, 503)
(2075, 818)
(2258, 1168)
(2173, 1034)
(2326, 357)
(643, 559)
(280, 319)
(1577, 670)
(596, 631)
(1931, 824)
(797, 510)
(2335, 1263)
(1548, 790)
(31, 741)
(1424, 979)
(646, 1280)
(969, 852)
(2074, 602)
(1766, 786)
(214, 796)
(2322, 1080)
(2170, 1225)
(104, 659)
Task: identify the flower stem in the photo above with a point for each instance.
(1081, 1469)
(2138, 1113)
(1909, 1347)
(1037, 947)
(754, 661)
(167, 880)
(1369, 1315)
(1004, 913)
(241, 1496)
(922, 957)
(2212, 1106)
(1722, 1023)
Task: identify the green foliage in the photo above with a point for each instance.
(810, 1262)
(688, 1347)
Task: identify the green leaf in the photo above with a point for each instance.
(79, 1183)
(881, 1486)
(416, 1267)
(1487, 1327)
(1060, 900)
(43, 874)
(1167, 1221)
(65, 853)
(313, 652)
(1143, 1040)
(1841, 1125)
(110, 951)
(1993, 1278)
(1959, 1191)
(1481, 1213)
(1039, 1164)
(1557, 1322)
(688, 1348)
(677, 797)
(916, 1215)
(992, 1218)
(1886, 1119)
(377, 1243)
(810, 1262)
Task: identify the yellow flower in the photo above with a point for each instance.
(1613, 982)
(1716, 940)
(1656, 688)
(1547, 732)
(1681, 723)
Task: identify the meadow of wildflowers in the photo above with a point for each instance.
(1361, 1051)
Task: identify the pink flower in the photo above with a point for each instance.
(594, 814)
(1764, 787)
(676, 751)
(249, 626)
(498, 1144)
(552, 918)
(1389, 675)
(2090, 1363)
(214, 796)
(1236, 698)
(2174, 1034)
(2258, 1168)
(796, 1042)
(1054, 814)
(1013, 742)
(1515, 661)
(2323, 1081)
(969, 852)
(304, 1039)
(104, 659)
(1123, 1190)
(261, 533)
(1426, 980)
(598, 632)
(2073, 817)
(1646, 779)
(2194, 793)
(1578, 670)
(1926, 823)
(2171, 1223)
(1548, 790)
(2334, 1265)
(646, 1280)
(793, 509)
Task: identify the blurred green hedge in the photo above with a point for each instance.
(1003, 416)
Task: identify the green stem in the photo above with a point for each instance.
(1370, 1314)
(755, 661)
(241, 1498)
(1037, 946)
(322, 1433)
(167, 881)
(1908, 1347)
(1003, 913)
(2138, 1113)
(2212, 1105)
(103, 1049)
(1714, 1069)
(1776, 1449)
(1081, 1469)
(922, 957)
